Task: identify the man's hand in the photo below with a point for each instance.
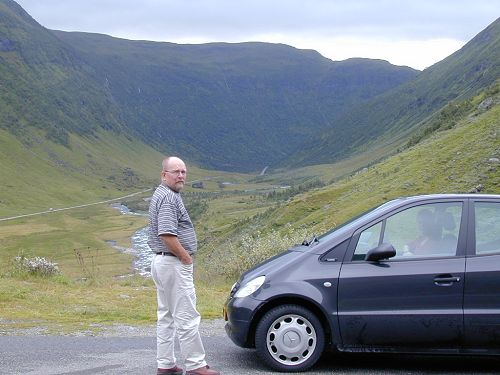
(187, 260)
(174, 246)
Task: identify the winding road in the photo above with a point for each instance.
(51, 210)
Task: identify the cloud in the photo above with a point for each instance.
(422, 31)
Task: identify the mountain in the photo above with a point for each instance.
(230, 105)
(85, 117)
(463, 158)
(387, 120)
(225, 106)
(45, 85)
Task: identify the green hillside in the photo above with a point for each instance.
(210, 100)
(227, 106)
(87, 117)
(39, 174)
(463, 157)
(388, 120)
(239, 226)
(45, 86)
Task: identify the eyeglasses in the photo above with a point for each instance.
(177, 172)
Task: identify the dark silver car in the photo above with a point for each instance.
(415, 275)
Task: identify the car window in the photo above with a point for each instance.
(337, 253)
(368, 239)
(487, 227)
(423, 231)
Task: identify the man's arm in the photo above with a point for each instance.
(174, 246)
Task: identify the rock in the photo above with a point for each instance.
(477, 189)
(485, 104)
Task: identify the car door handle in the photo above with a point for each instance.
(446, 280)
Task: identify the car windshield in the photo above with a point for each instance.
(353, 221)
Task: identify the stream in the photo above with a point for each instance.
(140, 249)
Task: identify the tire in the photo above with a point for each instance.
(289, 338)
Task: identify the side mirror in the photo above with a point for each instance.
(382, 251)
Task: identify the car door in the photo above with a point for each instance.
(415, 299)
(482, 281)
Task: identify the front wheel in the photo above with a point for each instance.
(289, 338)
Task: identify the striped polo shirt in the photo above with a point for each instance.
(167, 215)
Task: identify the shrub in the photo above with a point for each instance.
(35, 266)
(248, 250)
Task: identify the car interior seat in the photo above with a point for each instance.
(449, 239)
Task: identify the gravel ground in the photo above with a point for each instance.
(208, 328)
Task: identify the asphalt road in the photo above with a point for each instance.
(134, 353)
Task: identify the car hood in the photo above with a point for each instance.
(274, 264)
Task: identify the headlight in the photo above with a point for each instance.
(250, 287)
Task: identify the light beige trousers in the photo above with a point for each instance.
(177, 314)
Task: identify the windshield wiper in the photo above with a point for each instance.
(311, 241)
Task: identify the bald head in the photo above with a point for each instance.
(173, 173)
(170, 160)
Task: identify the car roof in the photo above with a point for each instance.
(430, 197)
(416, 198)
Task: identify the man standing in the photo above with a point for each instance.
(172, 238)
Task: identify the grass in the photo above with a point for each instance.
(237, 226)
(455, 160)
(61, 305)
(59, 235)
(92, 290)
(38, 175)
(71, 306)
(459, 159)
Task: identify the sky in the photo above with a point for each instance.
(414, 33)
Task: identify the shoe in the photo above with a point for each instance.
(169, 371)
(203, 371)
